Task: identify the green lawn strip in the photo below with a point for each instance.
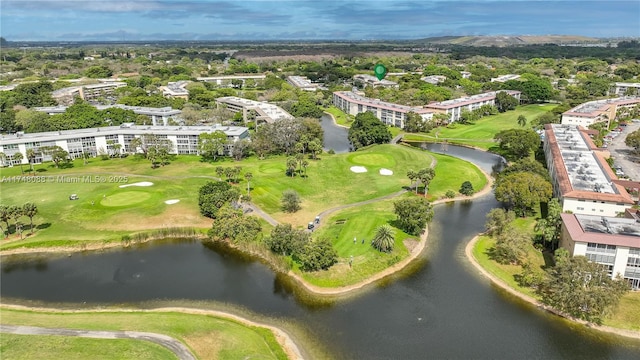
(340, 117)
(451, 172)
(625, 316)
(359, 223)
(72, 347)
(480, 134)
(207, 336)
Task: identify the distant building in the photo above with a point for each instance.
(158, 116)
(389, 113)
(176, 90)
(505, 78)
(263, 111)
(302, 82)
(611, 241)
(465, 74)
(597, 111)
(581, 178)
(625, 89)
(230, 80)
(89, 93)
(370, 80)
(434, 79)
(455, 107)
(96, 141)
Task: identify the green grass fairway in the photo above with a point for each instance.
(480, 134)
(359, 223)
(208, 337)
(125, 198)
(372, 159)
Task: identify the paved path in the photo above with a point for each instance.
(623, 155)
(178, 348)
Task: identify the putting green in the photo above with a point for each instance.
(382, 160)
(125, 198)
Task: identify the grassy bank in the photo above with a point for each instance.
(208, 337)
(625, 316)
(480, 133)
(340, 117)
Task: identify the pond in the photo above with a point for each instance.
(437, 308)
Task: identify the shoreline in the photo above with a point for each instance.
(282, 337)
(468, 251)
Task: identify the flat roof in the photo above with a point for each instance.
(453, 103)
(580, 172)
(602, 230)
(118, 130)
(593, 108)
(273, 111)
(353, 97)
(163, 111)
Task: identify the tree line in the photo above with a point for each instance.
(15, 213)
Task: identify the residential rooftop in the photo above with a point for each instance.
(603, 230)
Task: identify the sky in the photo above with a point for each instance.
(141, 20)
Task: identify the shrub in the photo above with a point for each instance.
(450, 194)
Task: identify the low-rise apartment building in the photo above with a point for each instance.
(90, 93)
(264, 112)
(597, 111)
(302, 82)
(455, 107)
(611, 241)
(389, 113)
(176, 90)
(158, 116)
(370, 80)
(98, 141)
(625, 89)
(505, 78)
(231, 80)
(581, 178)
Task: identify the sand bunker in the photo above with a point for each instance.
(358, 169)
(172, 201)
(143, 183)
(386, 172)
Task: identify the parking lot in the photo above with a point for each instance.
(625, 160)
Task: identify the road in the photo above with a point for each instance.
(623, 155)
(178, 348)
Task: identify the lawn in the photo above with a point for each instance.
(351, 231)
(209, 337)
(340, 117)
(480, 134)
(625, 316)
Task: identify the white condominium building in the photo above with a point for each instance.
(611, 241)
(581, 178)
(455, 107)
(370, 80)
(623, 88)
(264, 112)
(389, 113)
(98, 141)
(597, 111)
(156, 115)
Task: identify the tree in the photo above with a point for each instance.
(290, 201)
(317, 255)
(522, 191)
(582, 289)
(211, 145)
(551, 225)
(414, 123)
(98, 71)
(248, 176)
(5, 215)
(367, 130)
(286, 240)
(518, 143)
(231, 225)
(498, 220)
(384, 239)
(314, 147)
(214, 195)
(292, 163)
(30, 210)
(522, 120)
(466, 188)
(510, 247)
(219, 171)
(240, 149)
(15, 213)
(31, 157)
(3, 159)
(425, 176)
(413, 176)
(413, 214)
(18, 157)
(505, 102)
(633, 140)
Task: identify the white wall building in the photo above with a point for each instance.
(228, 80)
(302, 82)
(611, 241)
(97, 141)
(455, 107)
(597, 111)
(370, 80)
(505, 78)
(158, 116)
(581, 178)
(623, 88)
(264, 111)
(389, 113)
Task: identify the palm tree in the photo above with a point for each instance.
(85, 158)
(18, 157)
(3, 158)
(5, 215)
(292, 163)
(522, 120)
(248, 176)
(412, 175)
(219, 171)
(425, 176)
(31, 156)
(30, 210)
(15, 212)
(384, 238)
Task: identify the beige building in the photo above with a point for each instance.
(623, 88)
(455, 107)
(581, 178)
(597, 111)
(611, 241)
(263, 112)
(389, 113)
